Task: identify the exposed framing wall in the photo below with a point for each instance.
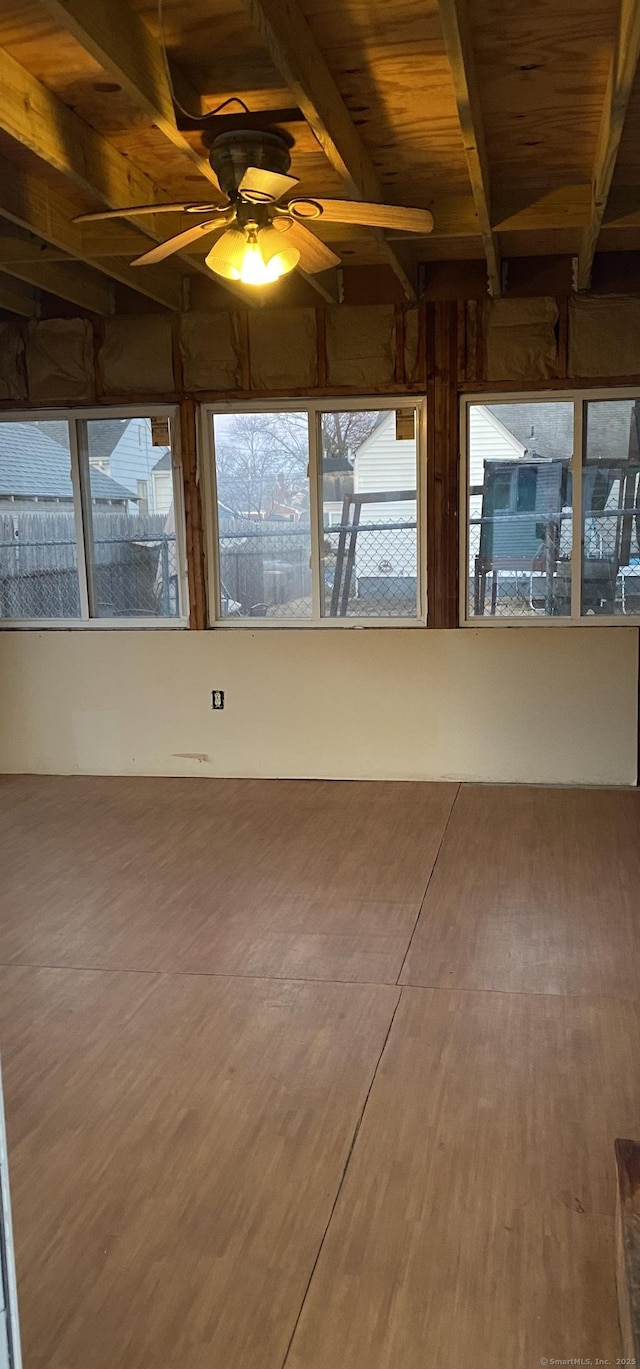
(438, 347)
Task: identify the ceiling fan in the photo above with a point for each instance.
(264, 238)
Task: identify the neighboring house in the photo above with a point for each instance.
(161, 489)
(337, 481)
(384, 463)
(135, 461)
(490, 440)
(122, 449)
(35, 475)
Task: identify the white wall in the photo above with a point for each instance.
(554, 705)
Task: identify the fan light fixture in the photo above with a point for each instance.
(253, 255)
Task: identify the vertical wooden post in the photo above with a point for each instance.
(321, 347)
(97, 339)
(193, 515)
(399, 375)
(245, 350)
(442, 329)
(563, 338)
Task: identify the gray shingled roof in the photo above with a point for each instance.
(33, 464)
(546, 429)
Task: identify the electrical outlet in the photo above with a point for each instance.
(217, 698)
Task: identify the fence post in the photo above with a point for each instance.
(166, 601)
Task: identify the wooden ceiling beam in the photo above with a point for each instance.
(31, 204)
(67, 279)
(36, 119)
(457, 38)
(17, 297)
(119, 40)
(296, 55)
(622, 72)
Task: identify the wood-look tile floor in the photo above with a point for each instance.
(303, 1075)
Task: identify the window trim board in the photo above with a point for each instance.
(578, 396)
(314, 407)
(73, 417)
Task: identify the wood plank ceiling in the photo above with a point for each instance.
(517, 125)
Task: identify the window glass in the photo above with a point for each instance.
(611, 507)
(131, 542)
(369, 553)
(264, 527)
(38, 551)
(520, 509)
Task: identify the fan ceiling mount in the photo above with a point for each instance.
(260, 236)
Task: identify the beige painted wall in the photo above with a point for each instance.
(551, 705)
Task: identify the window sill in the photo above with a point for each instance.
(91, 624)
(311, 624)
(595, 620)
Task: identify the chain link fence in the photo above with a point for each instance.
(134, 573)
(268, 574)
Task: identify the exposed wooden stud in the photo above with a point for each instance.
(121, 43)
(245, 349)
(471, 340)
(69, 280)
(176, 357)
(294, 51)
(461, 368)
(399, 344)
(457, 37)
(563, 337)
(321, 346)
(97, 337)
(31, 204)
(17, 297)
(443, 464)
(193, 515)
(421, 377)
(622, 73)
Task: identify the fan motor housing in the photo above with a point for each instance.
(231, 153)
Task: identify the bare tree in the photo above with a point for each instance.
(343, 433)
(262, 458)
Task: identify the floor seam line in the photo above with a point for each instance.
(427, 885)
(341, 1183)
(201, 974)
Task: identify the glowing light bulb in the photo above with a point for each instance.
(255, 256)
(255, 270)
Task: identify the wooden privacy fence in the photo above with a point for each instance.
(133, 564)
(265, 563)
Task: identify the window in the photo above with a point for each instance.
(88, 522)
(317, 513)
(552, 508)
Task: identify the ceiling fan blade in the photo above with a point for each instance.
(175, 244)
(183, 208)
(263, 187)
(314, 255)
(359, 212)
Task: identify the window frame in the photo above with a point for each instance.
(578, 397)
(81, 503)
(313, 408)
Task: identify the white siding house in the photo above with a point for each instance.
(489, 440)
(384, 463)
(133, 462)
